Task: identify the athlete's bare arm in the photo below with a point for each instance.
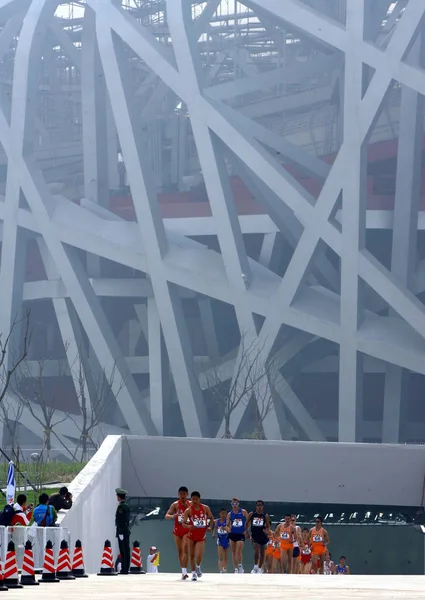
(186, 518)
(248, 521)
(211, 518)
(228, 526)
(214, 527)
(277, 531)
(171, 513)
(310, 535)
(326, 539)
(245, 514)
(348, 572)
(267, 523)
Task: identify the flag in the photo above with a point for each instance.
(10, 491)
(156, 561)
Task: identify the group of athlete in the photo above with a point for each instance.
(287, 549)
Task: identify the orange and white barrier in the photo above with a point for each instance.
(49, 570)
(28, 571)
(107, 564)
(11, 577)
(78, 569)
(136, 560)
(63, 570)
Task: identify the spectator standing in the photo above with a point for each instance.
(23, 513)
(153, 560)
(122, 524)
(62, 500)
(44, 514)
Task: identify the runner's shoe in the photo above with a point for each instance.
(194, 576)
(198, 571)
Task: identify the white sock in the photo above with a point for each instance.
(193, 572)
(184, 570)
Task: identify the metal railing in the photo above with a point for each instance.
(38, 536)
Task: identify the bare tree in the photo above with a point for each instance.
(251, 375)
(95, 397)
(12, 357)
(10, 416)
(39, 394)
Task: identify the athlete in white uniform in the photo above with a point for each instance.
(328, 565)
(296, 561)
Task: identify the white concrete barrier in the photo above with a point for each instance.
(91, 518)
(38, 536)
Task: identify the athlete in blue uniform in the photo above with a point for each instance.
(236, 525)
(342, 568)
(223, 544)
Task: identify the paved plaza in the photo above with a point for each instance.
(212, 587)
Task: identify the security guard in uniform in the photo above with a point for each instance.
(122, 524)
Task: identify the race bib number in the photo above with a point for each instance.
(306, 550)
(317, 538)
(221, 531)
(180, 518)
(284, 536)
(199, 522)
(258, 522)
(237, 523)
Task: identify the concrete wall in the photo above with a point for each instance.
(370, 550)
(375, 474)
(92, 516)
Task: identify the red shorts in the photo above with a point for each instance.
(180, 531)
(197, 535)
(305, 558)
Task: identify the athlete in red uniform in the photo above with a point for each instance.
(305, 552)
(198, 519)
(176, 512)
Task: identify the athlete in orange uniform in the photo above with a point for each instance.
(176, 512)
(286, 534)
(269, 553)
(319, 540)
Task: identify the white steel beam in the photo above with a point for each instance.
(153, 233)
(353, 231)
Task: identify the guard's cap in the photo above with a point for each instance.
(154, 548)
(121, 492)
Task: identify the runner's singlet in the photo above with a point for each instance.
(341, 570)
(317, 541)
(286, 538)
(327, 567)
(258, 523)
(198, 518)
(179, 530)
(238, 521)
(222, 535)
(306, 554)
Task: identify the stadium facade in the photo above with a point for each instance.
(194, 191)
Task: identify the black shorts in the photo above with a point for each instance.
(261, 540)
(296, 552)
(236, 537)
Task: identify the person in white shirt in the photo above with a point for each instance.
(296, 553)
(152, 562)
(328, 565)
